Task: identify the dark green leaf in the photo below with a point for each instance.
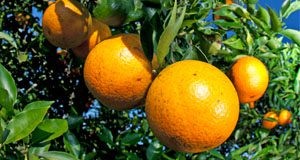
(216, 154)
(276, 24)
(285, 5)
(154, 150)
(263, 15)
(297, 83)
(9, 39)
(57, 155)
(236, 154)
(263, 152)
(49, 129)
(131, 139)
(292, 34)
(169, 34)
(35, 150)
(240, 11)
(150, 31)
(74, 121)
(26, 121)
(190, 53)
(8, 88)
(106, 136)
(72, 144)
(260, 23)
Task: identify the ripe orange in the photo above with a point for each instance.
(270, 120)
(284, 117)
(99, 32)
(192, 106)
(117, 72)
(66, 23)
(250, 78)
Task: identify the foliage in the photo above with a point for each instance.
(44, 102)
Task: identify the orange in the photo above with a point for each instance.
(270, 120)
(284, 117)
(250, 78)
(99, 32)
(192, 106)
(117, 72)
(66, 23)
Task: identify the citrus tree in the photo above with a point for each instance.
(47, 111)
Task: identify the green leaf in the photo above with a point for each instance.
(263, 15)
(26, 121)
(112, 12)
(190, 53)
(235, 43)
(35, 150)
(249, 38)
(8, 89)
(150, 31)
(56, 155)
(74, 121)
(297, 83)
(292, 34)
(225, 13)
(285, 5)
(169, 34)
(106, 136)
(131, 139)
(290, 8)
(236, 154)
(260, 23)
(9, 39)
(228, 25)
(154, 151)
(276, 24)
(49, 129)
(263, 153)
(216, 154)
(2, 127)
(72, 144)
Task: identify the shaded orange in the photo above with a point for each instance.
(66, 23)
(117, 72)
(99, 32)
(250, 78)
(285, 117)
(192, 106)
(270, 120)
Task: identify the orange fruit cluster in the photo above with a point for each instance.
(68, 24)
(191, 106)
(271, 119)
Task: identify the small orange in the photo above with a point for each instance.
(285, 117)
(117, 72)
(250, 78)
(66, 23)
(192, 106)
(99, 32)
(270, 120)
